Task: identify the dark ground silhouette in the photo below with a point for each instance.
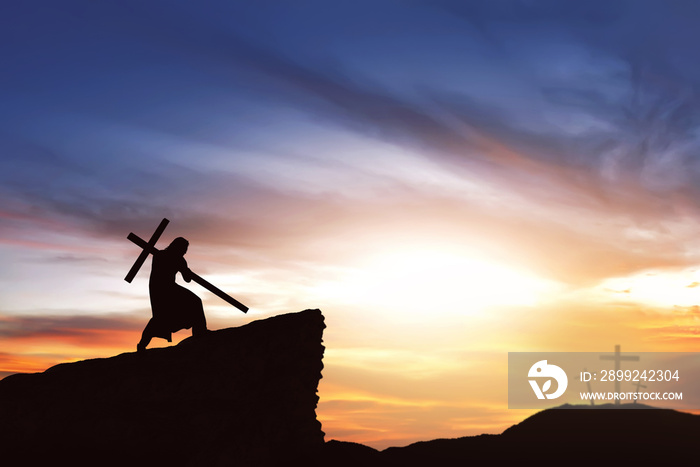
(628, 434)
(247, 396)
(241, 396)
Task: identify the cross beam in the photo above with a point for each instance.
(149, 248)
(144, 254)
(619, 358)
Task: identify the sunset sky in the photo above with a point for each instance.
(448, 181)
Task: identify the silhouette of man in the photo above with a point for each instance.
(174, 307)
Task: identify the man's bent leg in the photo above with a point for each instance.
(146, 336)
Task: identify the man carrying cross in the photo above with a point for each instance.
(174, 307)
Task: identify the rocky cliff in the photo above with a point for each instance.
(239, 396)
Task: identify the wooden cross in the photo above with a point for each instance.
(149, 247)
(618, 358)
(638, 384)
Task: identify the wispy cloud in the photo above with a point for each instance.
(74, 328)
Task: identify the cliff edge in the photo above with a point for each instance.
(237, 396)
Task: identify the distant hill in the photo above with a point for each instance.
(567, 435)
(241, 396)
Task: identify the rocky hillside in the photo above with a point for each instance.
(241, 396)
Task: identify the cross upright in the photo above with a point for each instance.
(617, 358)
(638, 385)
(146, 250)
(149, 248)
